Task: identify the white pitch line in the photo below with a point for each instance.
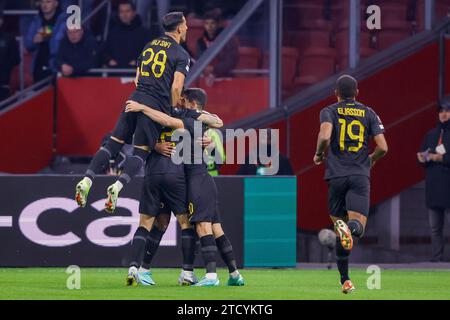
(6, 221)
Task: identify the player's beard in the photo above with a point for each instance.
(183, 38)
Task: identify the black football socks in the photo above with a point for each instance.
(138, 246)
(100, 161)
(209, 252)
(188, 242)
(226, 252)
(151, 246)
(342, 260)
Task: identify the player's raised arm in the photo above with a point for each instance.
(380, 150)
(157, 116)
(177, 87)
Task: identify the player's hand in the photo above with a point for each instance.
(372, 162)
(38, 37)
(133, 106)
(165, 148)
(66, 70)
(421, 157)
(318, 159)
(205, 141)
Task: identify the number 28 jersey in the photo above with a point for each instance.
(157, 64)
(353, 126)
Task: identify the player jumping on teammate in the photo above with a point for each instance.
(202, 193)
(161, 70)
(345, 131)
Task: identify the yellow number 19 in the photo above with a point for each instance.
(349, 130)
(159, 60)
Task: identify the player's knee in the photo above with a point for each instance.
(140, 154)
(203, 228)
(112, 147)
(217, 230)
(183, 221)
(356, 228)
(146, 221)
(162, 224)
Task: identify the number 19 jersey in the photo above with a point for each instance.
(157, 64)
(353, 126)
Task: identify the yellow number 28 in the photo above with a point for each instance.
(159, 60)
(348, 129)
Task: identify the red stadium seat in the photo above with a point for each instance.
(393, 11)
(364, 53)
(309, 38)
(442, 9)
(15, 75)
(289, 58)
(249, 58)
(366, 40)
(317, 61)
(312, 9)
(305, 81)
(196, 29)
(315, 24)
(393, 32)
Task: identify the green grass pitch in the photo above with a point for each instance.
(109, 283)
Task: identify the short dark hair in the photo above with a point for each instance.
(444, 104)
(172, 20)
(196, 95)
(346, 87)
(127, 2)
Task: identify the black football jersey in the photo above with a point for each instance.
(157, 64)
(196, 130)
(353, 125)
(160, 164)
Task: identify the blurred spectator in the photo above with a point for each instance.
(9, 57)
(226, 9)
(127, 39)
(144, 10)
(227, 59)
(77, 53)
(259, 169)
(436, 159)
(44, 36)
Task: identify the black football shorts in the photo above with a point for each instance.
(202, 198)
(350, 193)
(169, 189)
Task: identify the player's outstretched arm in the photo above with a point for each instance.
(380, 150)
(157, 116)
(211, 120)
(177, 87)
(323, 141)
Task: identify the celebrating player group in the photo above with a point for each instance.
(156, 108)
(160, 105)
